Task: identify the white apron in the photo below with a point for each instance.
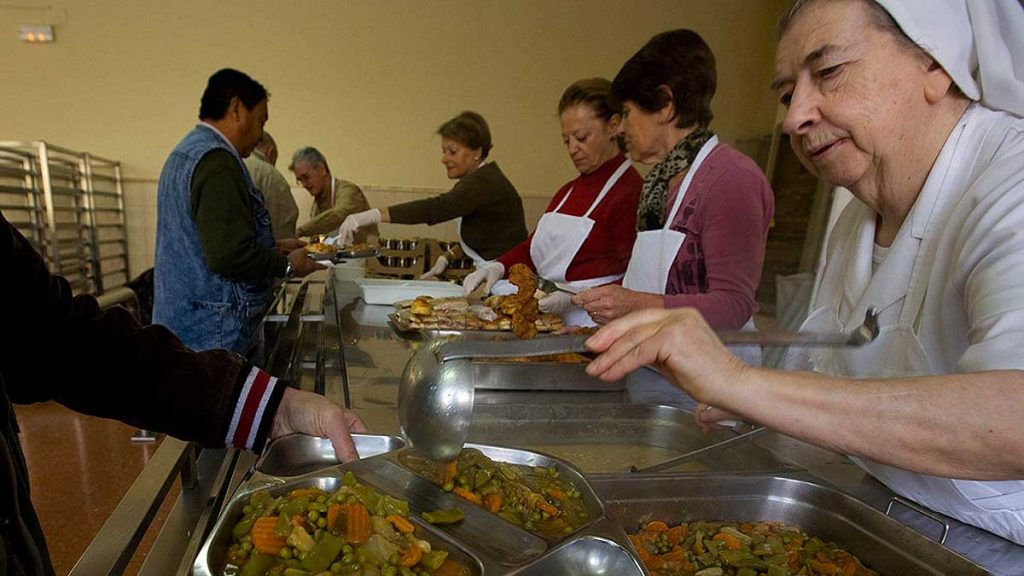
(558, 239)
(655, 250)
(897, 289)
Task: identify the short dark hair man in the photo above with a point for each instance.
(215, 253)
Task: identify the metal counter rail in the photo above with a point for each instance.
(208, 477)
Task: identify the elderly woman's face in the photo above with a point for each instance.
(641, 130)
(590, 140)
(458, 158)
(851, 93)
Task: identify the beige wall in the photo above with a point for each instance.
(366, 82)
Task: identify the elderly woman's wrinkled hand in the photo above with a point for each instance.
(606, 303)
(679, 343)
(308, 413)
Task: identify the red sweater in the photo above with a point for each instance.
(606, 250)
(726, 214)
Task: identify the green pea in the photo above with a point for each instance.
(246, 510)
(312, 516)
(449, 486)
(321, 522)
(337, 567)
(247, 545)
(346, 549)
(285, 553)
(349, 558)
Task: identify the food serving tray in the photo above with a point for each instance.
(386, 292)
(612, 437)
(343, 254)
(881, 543)
(405, 329)
(298, 454)
(484, 542)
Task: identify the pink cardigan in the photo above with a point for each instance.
(725, 214)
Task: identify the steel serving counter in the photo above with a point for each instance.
(324, 338)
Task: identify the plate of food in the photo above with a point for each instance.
(321, 251)
(457, 313)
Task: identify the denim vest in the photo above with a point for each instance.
(202, 308)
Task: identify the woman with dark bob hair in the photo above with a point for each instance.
(490, 208)
(582, 240)
(704, 211)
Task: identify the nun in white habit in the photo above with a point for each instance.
(915, 106)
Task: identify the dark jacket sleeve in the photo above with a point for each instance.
(103, 363)
(222, 210)
(466, 197)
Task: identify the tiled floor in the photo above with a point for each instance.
(80, 467)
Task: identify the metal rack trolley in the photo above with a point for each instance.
(70, 205)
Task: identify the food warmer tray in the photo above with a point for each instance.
(484, 542)
(882, 543)
(345, 254)
(384, 291)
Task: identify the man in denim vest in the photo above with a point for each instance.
(216, 256)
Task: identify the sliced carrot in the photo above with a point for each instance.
(729, 540)
(468, 495)
(493, 502)
(411, 557)
(357, 523)
(333, 510)
(450, 568)
(448, 472)
(306, 492)
(264, 539)
(850, 569)
(556, 494)
(544, 506)
(677, 533)
(401, 524)
(824, 568)
(298, 521)
(656, 526)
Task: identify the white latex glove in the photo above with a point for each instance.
(487, 275)
(354, 222)
(555, 303)
(439, 266)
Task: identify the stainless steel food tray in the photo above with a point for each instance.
(483, 541)
(882, 543)
(610, 437)
(554, 376)
(298, 454)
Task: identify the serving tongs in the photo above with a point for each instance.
(435, 397)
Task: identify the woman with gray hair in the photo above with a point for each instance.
(488, 207)
(915, 107)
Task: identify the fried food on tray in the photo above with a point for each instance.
(497, 313)
(524, 319)
(422, 306)
(741, 547)
(320, 248)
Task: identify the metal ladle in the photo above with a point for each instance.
(435, 397)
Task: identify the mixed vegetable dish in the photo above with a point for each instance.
(740, 549)
(355, 530)
(537, 499)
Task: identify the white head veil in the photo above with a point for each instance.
(980, 43)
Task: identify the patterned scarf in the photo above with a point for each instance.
(651, 214)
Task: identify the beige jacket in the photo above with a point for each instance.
(277, 195)
(330, 210)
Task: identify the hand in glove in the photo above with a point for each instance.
(555, 303)
(487, 275)
(354, 222)
(440, 265)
